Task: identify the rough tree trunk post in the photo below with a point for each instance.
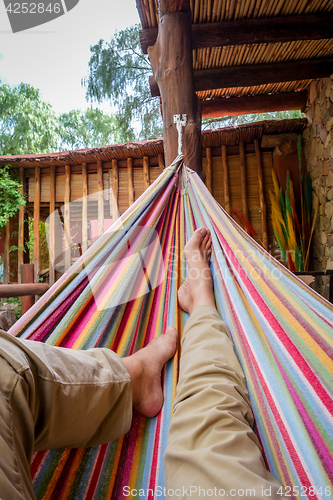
(171, 59)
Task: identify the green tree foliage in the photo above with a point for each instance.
(90, 128)
(27, 123)
(10, 196)
(119, 71)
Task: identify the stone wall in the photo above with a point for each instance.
(318, 150)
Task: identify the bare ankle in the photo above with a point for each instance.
(144, 368)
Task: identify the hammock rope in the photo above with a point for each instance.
(123, 292)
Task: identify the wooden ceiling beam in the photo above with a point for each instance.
(253, 31)
(231, 106)
(256, 74)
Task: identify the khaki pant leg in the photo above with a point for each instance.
(51, 397)
(211, 444)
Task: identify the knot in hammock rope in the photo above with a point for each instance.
(180, 121)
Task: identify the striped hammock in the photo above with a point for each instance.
(122, 293)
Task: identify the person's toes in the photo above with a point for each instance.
(205, 240)
(209, 243)
(172, 331)
(198, 235)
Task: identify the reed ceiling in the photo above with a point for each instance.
(247, 54)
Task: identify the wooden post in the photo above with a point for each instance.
(171, 59)
(100, 198)
(67, 232)
(130, 181)
(243, 179)
(52, 224)
(84, 208)
(6, 253)
(225, 179)
(26, 231)
(161, 160)
(261, 195)
(115, 187)
(27, 277)
(110, 192)
(146, 172)
(36, 224)
(20, 242)
(209, 176)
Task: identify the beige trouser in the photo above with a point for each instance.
(212, 450)
(52, 397)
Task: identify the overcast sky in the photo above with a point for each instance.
(54, 57)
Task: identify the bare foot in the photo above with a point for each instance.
(145, 368)
(197, 289)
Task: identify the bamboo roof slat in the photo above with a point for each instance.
(232, 9)
(279, 8)
(223, 8)
(192, 10)
(271, 8)
(256, 8)
(216, 5)
(209, 11)
(237, 4)
(249, 13)
(244, 8)
(219, 10)
(263, 10)
(196, 12)
(152, 14)
(147, 12)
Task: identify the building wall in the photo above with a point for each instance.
(318, 150)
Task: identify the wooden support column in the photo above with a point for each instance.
(67, 217)
(84, 208)
(225, 179)
(27, 277)
(36, 224)
(146, 180)
(100, 198)
(20, 241)
(115, 189)
(52, 224)
(261, 195)
(209, 175)
(161, 160)
(243, 179)
(110, 192)
(6, 253)
(171, 59)
(130, 181)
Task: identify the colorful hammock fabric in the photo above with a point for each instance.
(116, 297)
